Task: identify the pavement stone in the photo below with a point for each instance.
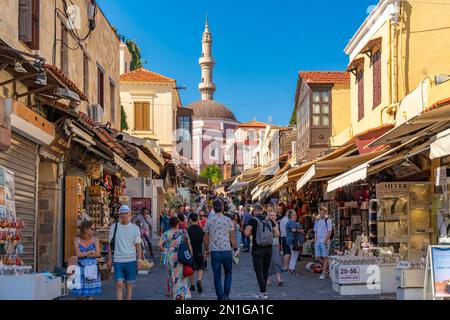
(304, 286)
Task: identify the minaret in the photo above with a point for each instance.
(207, 87)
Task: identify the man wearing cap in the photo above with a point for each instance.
(125, 238)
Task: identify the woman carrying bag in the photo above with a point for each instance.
(177, 257)
(87, 249)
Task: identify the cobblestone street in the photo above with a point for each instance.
(305, 286)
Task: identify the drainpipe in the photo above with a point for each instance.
(395, 17)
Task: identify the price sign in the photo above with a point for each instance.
(349, 274)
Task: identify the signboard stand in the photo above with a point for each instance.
(437, 274)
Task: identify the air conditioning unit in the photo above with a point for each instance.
(95, 111)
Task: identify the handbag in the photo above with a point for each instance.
(184, 254)
(91, 272)
(187, 271)
(298, 241)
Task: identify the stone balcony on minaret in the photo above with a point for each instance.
(207, 87)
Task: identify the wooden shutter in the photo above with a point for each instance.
(100, 88)
(25, 20)
(360, 80)
(142, 116)
(376, 65)
(146, 115)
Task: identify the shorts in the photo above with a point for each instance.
(285, 247)
(199, 261)
(125, 271)
(321, 249)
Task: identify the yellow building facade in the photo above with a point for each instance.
(400, 48)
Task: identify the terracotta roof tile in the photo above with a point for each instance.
(253, 124)
(143, 75)
(102, 134)
(325, 76)
(62, 77)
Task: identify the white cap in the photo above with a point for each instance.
(124, 209)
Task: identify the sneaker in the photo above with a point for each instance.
(193, 288)
(262, 296)
(323, 276)
(199, 287)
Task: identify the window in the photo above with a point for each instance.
(376, 65)
(85, 74)
(213, 148)
(112, 100)
(100, 87)
(251, 135)
(360, 82)
(126, 67)
(184, 128)
(64, 50)
(321, 108)
(142, 116)
(29, 21)
(95, 111)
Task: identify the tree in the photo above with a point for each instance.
(213, 173)
(136, 60)
(123, 119)
(136, 55)
(293, 120)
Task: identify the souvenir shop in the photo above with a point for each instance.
(94, 191)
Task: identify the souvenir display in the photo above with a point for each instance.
(404, 218)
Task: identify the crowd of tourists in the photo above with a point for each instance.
(215, 228)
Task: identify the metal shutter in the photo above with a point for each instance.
(21, 158)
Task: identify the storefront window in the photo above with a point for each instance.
(184, 128)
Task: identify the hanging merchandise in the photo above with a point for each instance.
(11, 228)
(94, 169)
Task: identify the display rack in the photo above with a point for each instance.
(405, 219)
(74, 212)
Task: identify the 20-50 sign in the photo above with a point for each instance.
(350, 274)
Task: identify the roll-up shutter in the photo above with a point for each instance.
(21, 159)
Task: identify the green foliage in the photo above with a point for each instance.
(213, 173)
(136, 60)
(293, 120)
(123, 119)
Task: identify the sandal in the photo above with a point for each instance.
(281, 283)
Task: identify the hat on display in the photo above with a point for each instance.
(124, 209)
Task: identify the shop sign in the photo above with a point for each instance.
(392, 189)
(349, 274)
(438, 262)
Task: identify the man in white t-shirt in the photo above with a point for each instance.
(127, 252)
(322, 234)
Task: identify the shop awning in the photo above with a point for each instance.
(332, 167)
(378, 163)
(441, 146)
(125, 166)
(146, 146)
(297, 173)
(148, 162)
(364, 139)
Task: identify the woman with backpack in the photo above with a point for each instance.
(169, 244)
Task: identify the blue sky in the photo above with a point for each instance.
(259, 46)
